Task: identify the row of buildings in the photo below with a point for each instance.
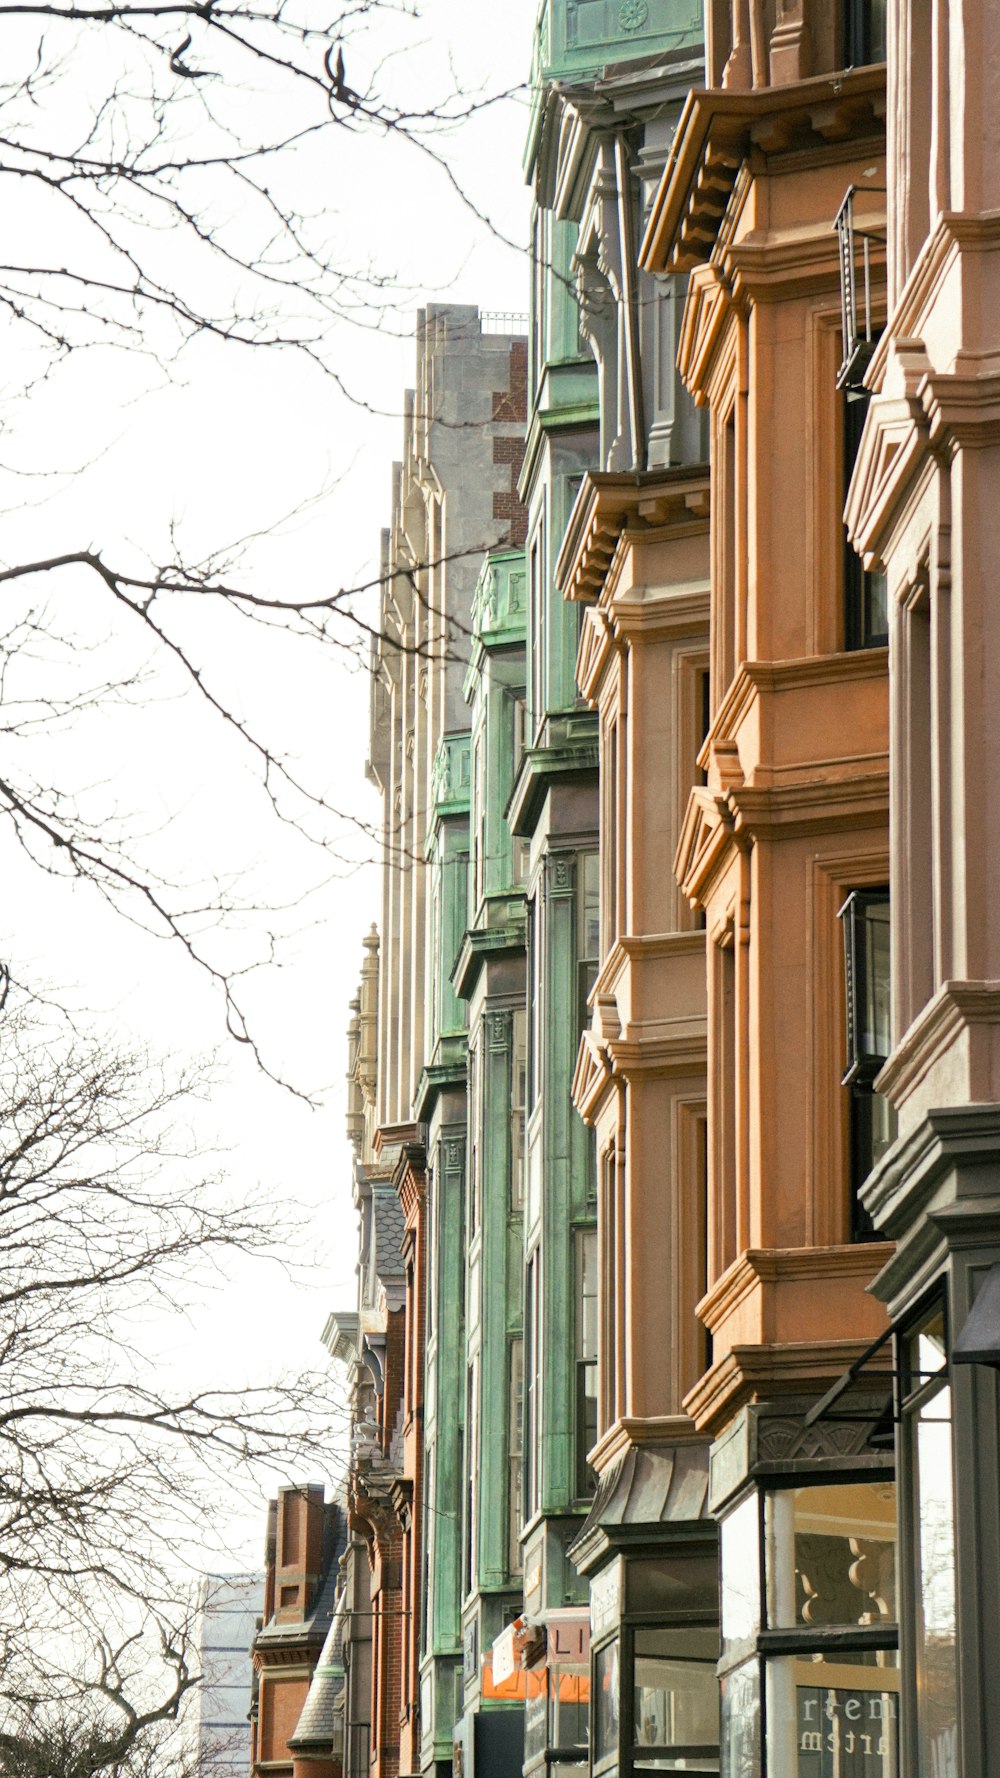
(675, 1063)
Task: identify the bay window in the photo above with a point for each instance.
(809, 1633)
(655, 1689)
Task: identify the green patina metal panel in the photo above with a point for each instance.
(577, 38)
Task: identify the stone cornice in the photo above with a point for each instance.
(566, 756)
(786, 1265)
(706, 837)
(628, 1433)
(955, 1007)
(796, 805)
(754, 677)
(480, 945)
(716, 132)
(438, 1079)
(610, 503)
(757, 1373)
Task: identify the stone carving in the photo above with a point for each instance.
(632, 14)
(562, 875)
(498, 1025)
(781, 1437)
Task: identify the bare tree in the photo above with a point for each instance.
(159, 166)
(106, 1475)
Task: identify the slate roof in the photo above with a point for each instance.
(390, 1227)
(315, 1725)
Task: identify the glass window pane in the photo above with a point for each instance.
(831, 1555)
(606, 1700)
(675, 1691)
(937, 1708)
(925, 1351)
(686, 1583)
(834, 1716)
(741, 1722)
(571, 1708)
(877, 1041)
(741, 1574)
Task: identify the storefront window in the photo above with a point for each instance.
(832, 1683)
(675, 1712)
(927, 1422)
(606, 1701)
(834, 1715)
(831, 1555)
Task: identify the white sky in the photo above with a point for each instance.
(229, 449)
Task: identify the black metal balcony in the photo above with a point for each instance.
(861, 236)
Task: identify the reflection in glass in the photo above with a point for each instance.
(937, 1726)
(606, 1689)
(741, 1573)
(675, 1693)
(741, 1722)
(570, 1689)
(834, 1716)
(831, 1555)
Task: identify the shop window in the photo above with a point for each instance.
(927, 1466)
(831, 1673)
(866, 608)
(586, 1356)
(655, 1689)
(675, 1707)
(865, 916)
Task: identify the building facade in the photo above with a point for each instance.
(677, 1356)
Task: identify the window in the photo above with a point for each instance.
(675, 1700)
(535, 983)
(656, 1694)
(609, 835)
(586, 1356)
(832, 1679)
(515, 1455)
(866, 609)
(588, 938)
(865, 915)
(536, 626)
(864, 25)
(927, 1465)
(479, 836)
(533, 1385)
(471, 1475)
(476, 1133)
(518, 1096)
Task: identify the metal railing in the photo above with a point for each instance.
(856, 238)
(502, 321)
